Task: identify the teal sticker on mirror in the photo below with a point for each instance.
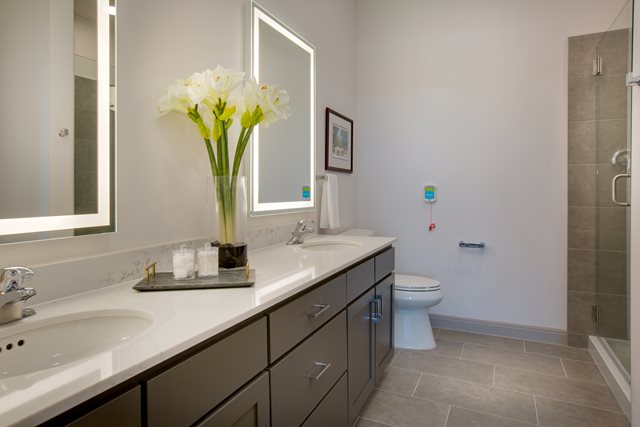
(306, 192)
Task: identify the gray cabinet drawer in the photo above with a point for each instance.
(333, 410)
(124, 410)
(385, 263)
(249, 407)
(295, 321)
(303, 377)
(187, 391)
(359, 279)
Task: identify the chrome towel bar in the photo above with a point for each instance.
(480, 245)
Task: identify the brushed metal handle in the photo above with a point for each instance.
(379, 307)
(324, 366)
(614, 188)
(374, 310)
(322, 307)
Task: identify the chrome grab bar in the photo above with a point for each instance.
(464, 244)
(614, 189)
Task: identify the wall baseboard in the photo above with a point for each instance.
(509, 330)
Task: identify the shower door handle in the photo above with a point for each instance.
(614, 188)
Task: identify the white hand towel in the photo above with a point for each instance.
(329, 208)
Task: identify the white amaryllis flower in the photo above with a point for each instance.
(176, 99)
(185, 94)
(273, 101)
(224, 84)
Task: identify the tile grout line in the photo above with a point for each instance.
(582, 405)
(417, 384)
(563, 369)
(492, 414)
(375, 421)
(446, 420)
(535, 406)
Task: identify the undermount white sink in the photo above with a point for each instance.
(330, 245)
(32, 347)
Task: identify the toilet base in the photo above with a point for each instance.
(413, 330)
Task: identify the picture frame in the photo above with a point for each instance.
(338, 142)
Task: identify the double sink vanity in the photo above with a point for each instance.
(303, 346)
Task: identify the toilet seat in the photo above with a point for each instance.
(410, 283)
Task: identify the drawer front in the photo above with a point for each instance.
(359, 279)
(187, 391)
(247, 408)
(333, 410)
(385, 263)
(125, 410)
(295, 321)
(302, 378)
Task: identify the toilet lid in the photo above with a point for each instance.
(406, 282)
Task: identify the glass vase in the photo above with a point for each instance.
(231, 209)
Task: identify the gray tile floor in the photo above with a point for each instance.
(474, 380)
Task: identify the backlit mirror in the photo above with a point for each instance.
(57, 142)
(282, 155)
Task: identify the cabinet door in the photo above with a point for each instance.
(247, 408)
(384, 324)
(361, 364)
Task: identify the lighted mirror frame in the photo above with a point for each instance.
(65, 222)
(257, 15)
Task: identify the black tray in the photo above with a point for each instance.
(232, 278)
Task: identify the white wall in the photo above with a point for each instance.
(162, 165)
(472, 96)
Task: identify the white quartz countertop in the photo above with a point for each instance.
(180, 320)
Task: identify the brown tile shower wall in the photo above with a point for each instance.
(597, 261)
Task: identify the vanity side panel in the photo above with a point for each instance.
(186, 392)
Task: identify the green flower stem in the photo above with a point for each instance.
(212, 157)
(243, 140)
(225, 149)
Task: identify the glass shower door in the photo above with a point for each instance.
(613, 151)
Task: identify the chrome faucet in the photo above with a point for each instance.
(13, 295)
(304, 227)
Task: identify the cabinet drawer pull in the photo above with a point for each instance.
(324, 366)
(374, 311)
(322, 307)
(379, 307)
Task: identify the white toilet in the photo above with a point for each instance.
(413, 296)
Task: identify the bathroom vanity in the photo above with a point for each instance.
(304, 346)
